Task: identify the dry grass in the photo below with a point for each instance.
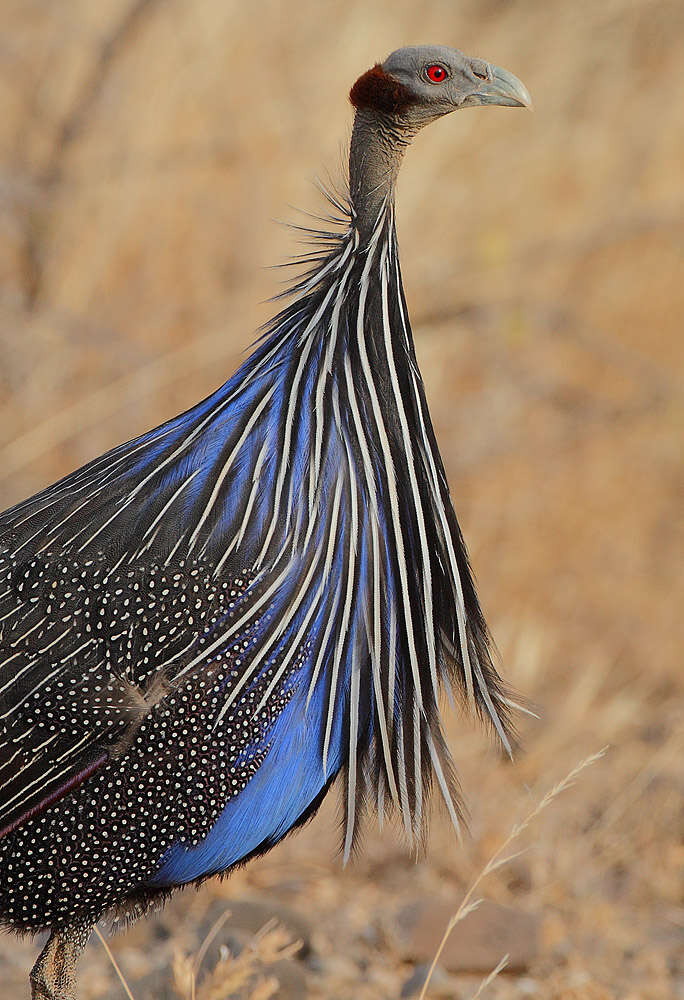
(499, 858)
(246, 977)
(115, 964)
(145, 149)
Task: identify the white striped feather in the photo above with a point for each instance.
(289, 417)
(389, 468)
(353, 751)
(439, 507)
(220, 478)
(349, 591)
(408, 451)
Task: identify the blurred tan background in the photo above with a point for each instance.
(146, 147)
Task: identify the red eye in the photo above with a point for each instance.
(436, 73)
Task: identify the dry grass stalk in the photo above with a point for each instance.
(231, 976)
(490, 978)
(209, 937)
(497, 861)
(114, 963)
(183, 973)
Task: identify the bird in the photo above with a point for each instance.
(204, 628)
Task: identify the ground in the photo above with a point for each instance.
(145, 148)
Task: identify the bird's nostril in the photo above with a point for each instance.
(481, 74)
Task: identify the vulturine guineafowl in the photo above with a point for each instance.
(203, 628)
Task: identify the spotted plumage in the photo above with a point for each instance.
(203, 628)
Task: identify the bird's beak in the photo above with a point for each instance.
(503, 88)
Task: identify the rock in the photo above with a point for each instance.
(476, 944)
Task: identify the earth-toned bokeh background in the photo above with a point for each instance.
(145, 148)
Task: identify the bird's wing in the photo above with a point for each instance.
(119, 580)
(91, 624)
(59, 707)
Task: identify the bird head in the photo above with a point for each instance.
(420, 83)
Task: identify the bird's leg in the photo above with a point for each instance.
(53, 977)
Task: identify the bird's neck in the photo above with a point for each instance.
(377, 148)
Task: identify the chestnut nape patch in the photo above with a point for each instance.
(380, 92)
